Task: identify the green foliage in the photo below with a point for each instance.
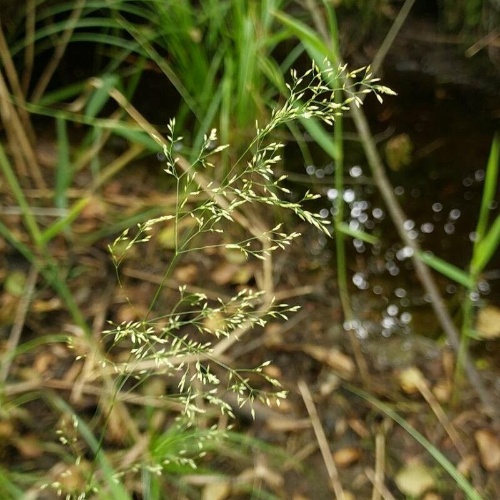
(487, 240)
(466, 14)
(8, 488)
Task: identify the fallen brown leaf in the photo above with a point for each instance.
(29, 446)
(218, 490)
(224, 273)
(345, 457)
(287, 424)
(488, 444)
(414, 480)
(187, 274)
(331, 357)
(488, 322)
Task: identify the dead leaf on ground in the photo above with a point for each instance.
(187, 274)
(273, 334)
(29, 446)
(218, 490)
(49, 305)
(230, 273)
(223, 274)
(345, 457)
(414, 480)
(6, 430)
(270, 477)
(466, 464)
(131, 312)
(331, 357)
(488, 322)
(432, 496)
(443, 391)
(488, 444)
(8, 308)
(44, 361)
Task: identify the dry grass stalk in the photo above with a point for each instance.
(322, 441)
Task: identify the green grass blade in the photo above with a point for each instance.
(225, 129)
(17, 191)
(320, 136)
(61, 224)
(447, 269)
(149, 51)
(64, 169)
(486, 248)
(305, 34)
(490, 187)
(136, 136)
(353, 233)
(62, 94)
(459, 479)
(8, 489)
(18, 245)
(44, 36)
(246, 57)
(51, 274)
(333, 30)
(100, 95)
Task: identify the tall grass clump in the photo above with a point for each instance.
(216, 55)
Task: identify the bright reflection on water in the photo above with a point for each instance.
(386, 297)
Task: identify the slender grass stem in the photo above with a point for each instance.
(330, 35)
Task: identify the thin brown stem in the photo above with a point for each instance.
(59, 51)
(15, 85)
(17, 327)
(322, 441)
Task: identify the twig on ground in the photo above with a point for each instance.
(378, 478)
(29, 51)
(415, 380)
(17, 327)
(322, 441)
(382, 490)
(15, 85)
(20, 146)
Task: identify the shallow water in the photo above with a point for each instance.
(443, 147)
